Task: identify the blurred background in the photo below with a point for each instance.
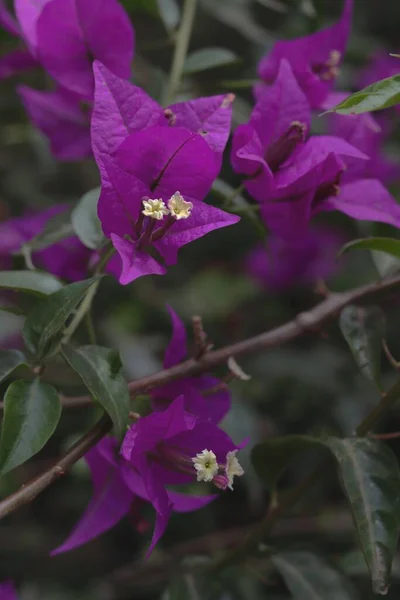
(311, 386)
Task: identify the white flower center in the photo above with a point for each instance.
(233, 468)
(180, 209)
(206, 465)
(155, 209)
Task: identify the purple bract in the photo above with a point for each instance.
(315, 59)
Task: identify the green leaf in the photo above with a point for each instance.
(85, 222)
(364, 330)
(271, 458)
(56, 229)
(371, 480)
(45, 322)
(31, 413)
(308, 577)
(381, 94)
(169, 13)
(208, 58)
(9, 361)
(382, 244)
(32, 282)
(13, 310)
(100, 370)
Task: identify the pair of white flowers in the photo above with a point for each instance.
(207, 466)
(178, 207)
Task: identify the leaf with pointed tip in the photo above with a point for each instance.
(31, 414)
(9, 361)
(31, 282)
(169, 13)
(271, 458)
(44, 324)
(382, 244)
(209, 58)
(381, 94)
(85, 222)
(308, 577)
(371, 480)
(100, 370)
(364, 330)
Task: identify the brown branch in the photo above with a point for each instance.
(29, 491)
(154, 572)
(309, 321)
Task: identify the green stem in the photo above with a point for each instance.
(108, 252)
(81, 312)
(380, 409)
(90, 326)
(181, 48)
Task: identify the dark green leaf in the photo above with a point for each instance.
(364, 329)
(45, 322)
(31, 413)
(308, 577)
(33, 282)
(56, 229)
(13, 310)
(371, 480)
(208, 58)
(100, 370)
(85, 222)
(9, 361)
(169, 13)
(381, 94)
(271, 458)
(388, 245)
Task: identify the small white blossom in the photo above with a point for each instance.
(155, 209)
(233, 468)
(180, 209)
(206, 465)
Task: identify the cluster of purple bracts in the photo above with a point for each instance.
(157, 166)
(178, 443)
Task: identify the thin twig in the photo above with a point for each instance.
(385, 436)
(305, 322)
(181, 48)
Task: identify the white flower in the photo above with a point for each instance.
(155, 209)
(180, 209)
(206, 465)
(233, 468)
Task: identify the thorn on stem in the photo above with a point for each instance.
(200, 338)
(395, 363)
(38, 370)
(322, 289)
(236, 370)
(133, 416)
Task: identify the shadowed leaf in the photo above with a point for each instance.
(44, 324)
(100, 370)
(31, 413)
(308, 577)
(32, 282)
(364, 330)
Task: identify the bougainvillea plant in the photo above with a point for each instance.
(154, 174)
